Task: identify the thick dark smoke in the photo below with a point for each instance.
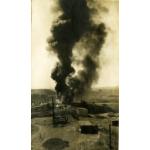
(72, 26)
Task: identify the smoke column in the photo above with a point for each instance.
(72, 26)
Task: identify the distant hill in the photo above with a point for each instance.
(42, 92)
(39, 96)
(102, 91)
(103, 95)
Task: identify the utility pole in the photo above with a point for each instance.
(53, 111)
(110, 147)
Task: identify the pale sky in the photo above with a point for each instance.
(43, 61)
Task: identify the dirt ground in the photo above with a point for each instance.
(68, 137)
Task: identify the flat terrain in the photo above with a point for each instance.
(68, 137)
(43, 131)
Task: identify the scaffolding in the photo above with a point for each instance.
(59, 112)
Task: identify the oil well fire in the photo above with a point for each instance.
(75, 31)
(75, 26)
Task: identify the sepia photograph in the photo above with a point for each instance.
(74, 74)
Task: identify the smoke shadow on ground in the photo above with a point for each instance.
(95, 108)
(55, 144)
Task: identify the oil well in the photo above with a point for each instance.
(59, 112)
(62, 112)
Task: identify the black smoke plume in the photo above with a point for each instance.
(72, 26)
